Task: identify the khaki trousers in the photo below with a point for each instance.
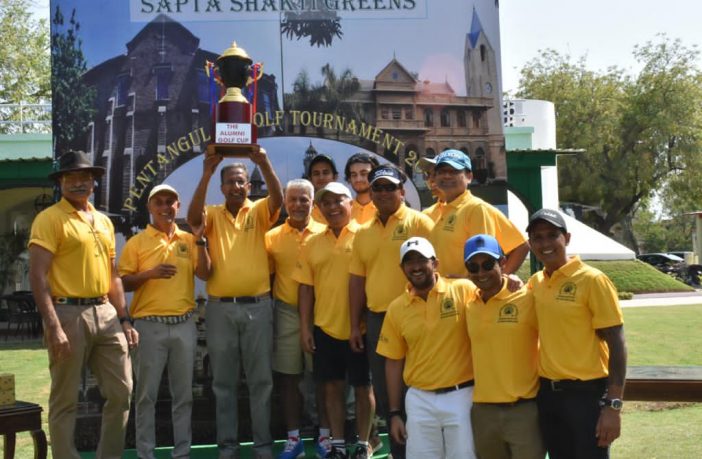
(96, 340)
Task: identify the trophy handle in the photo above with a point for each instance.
(258, 76)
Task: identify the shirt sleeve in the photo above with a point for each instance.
(424, 225)
(356, 266)
(128, 262)
(391, 343)
(303, 270)
(44, 233)
(604, 303)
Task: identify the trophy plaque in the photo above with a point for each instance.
(233, 128)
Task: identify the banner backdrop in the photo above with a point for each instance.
(398, 78)
(401, 79)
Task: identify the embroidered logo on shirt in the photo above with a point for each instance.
(508, 313)
(450, 222)
(248, 223)
(567, 292)
(400, 233)
(448, 308)
(182, 250)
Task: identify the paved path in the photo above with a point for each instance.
(663, 299)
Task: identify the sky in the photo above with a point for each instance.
(605, 31)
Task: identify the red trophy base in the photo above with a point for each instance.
(234, 112)
(233, 150)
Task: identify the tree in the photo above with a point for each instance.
(24, 54)
(321, 25)
(72, 99)
(641, 133)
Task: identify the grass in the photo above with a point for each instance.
(650, 430)
(629, 276)
(29, 362)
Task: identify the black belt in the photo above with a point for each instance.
(444, 390)
(519, 401)
(80, 301)
(239, 299)
(590, 385)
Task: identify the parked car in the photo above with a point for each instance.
(675, 266)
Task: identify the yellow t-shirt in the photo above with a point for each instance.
(161, 297)
(463, 218)
(571, 305)
(504, 340)
(317, 215)
(362, 213)
(237, 249)
(376, 254)
(83, 254)
(430, 335)
(434, 211)
(324, 264)
(284, 244)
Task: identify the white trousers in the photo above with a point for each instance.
(438, 425)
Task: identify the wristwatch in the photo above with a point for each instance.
(201, 242)
(615, 403)
(125, 319)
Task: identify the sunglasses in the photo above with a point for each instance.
(487, 265)
(384, 187)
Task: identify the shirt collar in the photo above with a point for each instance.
(67, 207)
(152, 231)
(501, 295)
(460, 199)
(399, 214)
(313, 226)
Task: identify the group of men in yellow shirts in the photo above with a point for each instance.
(364, 286)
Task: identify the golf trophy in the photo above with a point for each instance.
(234, 131)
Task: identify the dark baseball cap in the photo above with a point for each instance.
(386, 172)
(551, 216)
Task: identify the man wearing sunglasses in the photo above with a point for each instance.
(582, 354)
(425, 342)
(504, 345)
(465, 215)
(376, 279)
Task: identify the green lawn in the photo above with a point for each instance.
(656, 336)
(629, 276)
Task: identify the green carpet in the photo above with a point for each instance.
(210, 451)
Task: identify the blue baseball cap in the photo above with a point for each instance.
(482, 243)
(454, 158)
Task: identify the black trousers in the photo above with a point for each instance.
(568, 419)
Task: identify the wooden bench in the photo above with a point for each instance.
(22, 417)
(664, 384)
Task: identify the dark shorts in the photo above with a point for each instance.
(334, 361)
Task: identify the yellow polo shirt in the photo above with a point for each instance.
(83, 254)
(504, 341)
(430, 335)
(376, 254)
(161, 297)
(238, 250)
(324, 264)
(434, 211)
(284, 244)
(571, 305)
(317, 215)
(463, 218)
(362, 213)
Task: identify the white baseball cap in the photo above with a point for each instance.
(332, 187)
(419, 245)
(163, 187)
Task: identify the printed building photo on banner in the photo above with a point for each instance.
(134, 86)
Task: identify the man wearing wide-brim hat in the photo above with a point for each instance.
(81, 301)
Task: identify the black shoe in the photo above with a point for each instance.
(361, 452)
(336, 453)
